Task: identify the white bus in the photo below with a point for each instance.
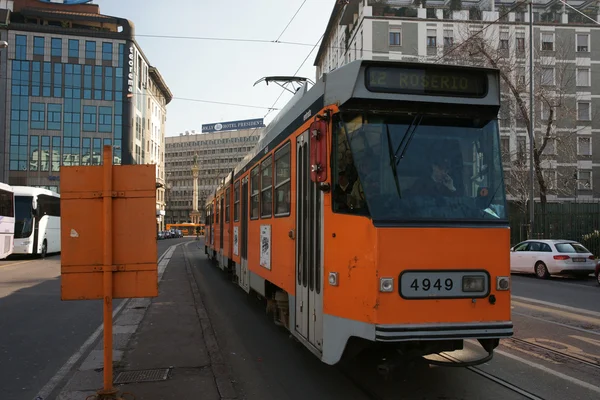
(37, 221)
(7, 220)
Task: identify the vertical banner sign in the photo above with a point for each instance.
(235, 240)
(130, 64)
(265, 246)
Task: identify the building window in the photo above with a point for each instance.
(266, 169)
(520, 42)
(236, 202)
(104, 119)
(503, 40)
(74, 48)
(45, 154)
(255, 193)
(89, 118)
(584, 146)
(86, 157)
(227, 208)
(282, 181)
(58, 74)
(34, 153)
(47, 83)
(548, 41)
(55, 152)
(431, 38)
(583, 110)
(521, 149)
(583, 77)
(38, 46)
(448, 37)
(38, 115)
(56, 47)
(21, 47)
(584, 180)
(107, 51)
(521, 75)
(54, 117)
(548, 76)
(36, 78)
(583, 42)
(395, 37)
(90, 50)
(97, 151)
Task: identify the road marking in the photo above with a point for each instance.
(64, 370)
(558, 323)
(565, 314)
(595, 342)
(559, 306)
(16, 263)
(550, 371)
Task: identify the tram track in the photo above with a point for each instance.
(526, 394)
(540, 347)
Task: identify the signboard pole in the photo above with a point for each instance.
(108, 391)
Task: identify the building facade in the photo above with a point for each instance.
(566, 72)
(217, 155)
(76, 80)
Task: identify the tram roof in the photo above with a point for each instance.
(348, 83)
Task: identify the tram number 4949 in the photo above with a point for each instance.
(427, 284)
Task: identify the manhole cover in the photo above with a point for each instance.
(146, 375)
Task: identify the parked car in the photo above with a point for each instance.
(597, 273)
(552, 257)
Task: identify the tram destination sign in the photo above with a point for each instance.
(431, 81)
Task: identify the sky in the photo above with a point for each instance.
(224, 71)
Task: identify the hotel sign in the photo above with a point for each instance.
(233, 125)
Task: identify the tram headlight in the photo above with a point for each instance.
(333, 278)
(502, 283)
(386, 285)
(473, 284)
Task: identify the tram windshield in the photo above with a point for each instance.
(418, 168)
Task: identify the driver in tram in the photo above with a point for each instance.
(438, 182)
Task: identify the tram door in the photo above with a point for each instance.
(309, 294)
(244, 278)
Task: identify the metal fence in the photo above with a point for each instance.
(570, 221)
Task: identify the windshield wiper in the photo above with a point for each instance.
(408, 137)
(392, 159)
(487, 207)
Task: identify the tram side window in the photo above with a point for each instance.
(236, 202)
(266, 169)
(217, 210)
(48, 205)
(6, 204)
(255, 193)
(227, 199)
(282, 181)
(347, 189)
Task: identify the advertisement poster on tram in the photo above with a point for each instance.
(265, 246)
(235, 240)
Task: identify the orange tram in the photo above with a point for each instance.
(372, 213)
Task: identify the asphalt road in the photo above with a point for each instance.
(555, 353)
(38, 331)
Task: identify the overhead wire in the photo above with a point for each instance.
(289, 23)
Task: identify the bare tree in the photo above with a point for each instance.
(555, 101)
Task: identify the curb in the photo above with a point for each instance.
(219, 366)
(126, 321)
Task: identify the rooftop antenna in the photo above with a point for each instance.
(285, 81)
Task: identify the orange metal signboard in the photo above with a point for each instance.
(108, 224)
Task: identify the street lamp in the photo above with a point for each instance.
(3, 44)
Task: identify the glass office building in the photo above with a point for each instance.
(74, 83)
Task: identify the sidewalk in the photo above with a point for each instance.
(164, 348)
